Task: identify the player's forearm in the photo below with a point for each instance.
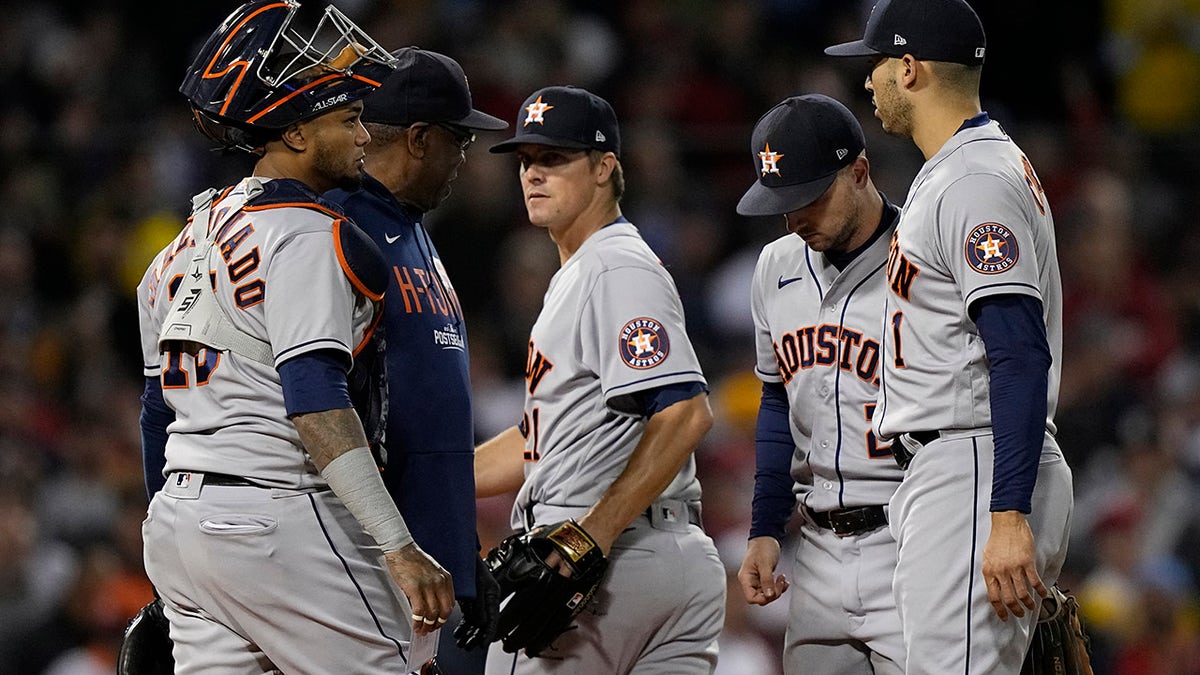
(336, 442)
(670, 437)
(329, 433)
(500, 464)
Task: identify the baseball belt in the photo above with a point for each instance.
(849, 522)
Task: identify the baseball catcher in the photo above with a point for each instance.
(1059, 643)
(537, 602)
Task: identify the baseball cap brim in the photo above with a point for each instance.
(855, 48)
(761, 200)
(536, 139)
(477, 119)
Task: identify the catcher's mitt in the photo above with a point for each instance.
(537, 603)
(1060, 646)
(146, 649)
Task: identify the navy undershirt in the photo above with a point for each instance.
(773, 449)
(1014, 334)
(315, 381)
(155, 417)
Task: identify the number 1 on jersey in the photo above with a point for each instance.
(897, 320)
(529, 430)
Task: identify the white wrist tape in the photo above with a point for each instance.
(355, 479)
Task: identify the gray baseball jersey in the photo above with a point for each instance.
(817, 331)
(976, 223)
(310, 305)
(612, 324)
(278, 573)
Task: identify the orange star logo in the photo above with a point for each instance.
(770, 160)
(990, 248)
(536, 111)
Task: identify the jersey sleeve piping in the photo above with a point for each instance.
(998, 289)
(699, 377)
(311, 345)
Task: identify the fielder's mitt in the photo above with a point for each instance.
(1060, 647)
(146, 649)
(537, 604)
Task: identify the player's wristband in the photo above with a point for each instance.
(355, 479)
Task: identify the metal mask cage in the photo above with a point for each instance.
(336, 45)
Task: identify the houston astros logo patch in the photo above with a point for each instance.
(991, 248)
(643, 343)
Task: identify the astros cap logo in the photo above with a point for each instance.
(770, 160)
(643, 343)
(537, 110)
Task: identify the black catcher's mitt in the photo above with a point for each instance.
(1060, 646)
(146, 649)
(537, 604)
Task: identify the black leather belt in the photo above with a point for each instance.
(847, 522)
(227, 480)
(901, 454)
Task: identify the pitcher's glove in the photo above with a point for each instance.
(537, 604)
(1060, 646)
(146, 649)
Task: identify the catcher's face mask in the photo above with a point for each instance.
(257, 73)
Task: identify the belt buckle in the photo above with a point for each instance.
(840, 530)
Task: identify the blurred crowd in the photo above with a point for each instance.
(98, 159)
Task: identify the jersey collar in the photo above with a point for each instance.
(976, 121)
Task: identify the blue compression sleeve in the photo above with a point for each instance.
(660, 399)
(774, 447)
(315, 381)
(155, 417)
(1014, 334)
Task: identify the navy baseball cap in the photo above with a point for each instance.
(565, 117)
(798, 147)
(426, 87)
(930, 30)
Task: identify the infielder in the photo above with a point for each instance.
(273, 543)
(817, 296)
(421, 123)
(972, 357)
(615, 405)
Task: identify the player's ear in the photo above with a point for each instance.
(860, 170)
(418, 139)
(294, 137)
(605, 167)
(907, 71)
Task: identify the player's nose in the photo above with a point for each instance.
(867, 84)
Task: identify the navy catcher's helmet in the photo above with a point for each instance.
(257, 74)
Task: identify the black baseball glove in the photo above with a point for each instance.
(537, 603)
(146, 649)
(481, 614)
(1060, 646)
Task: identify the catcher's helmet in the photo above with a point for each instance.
(257, 74)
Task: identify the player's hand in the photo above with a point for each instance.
(757, 575)
(428, 586)
(1008, 566)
